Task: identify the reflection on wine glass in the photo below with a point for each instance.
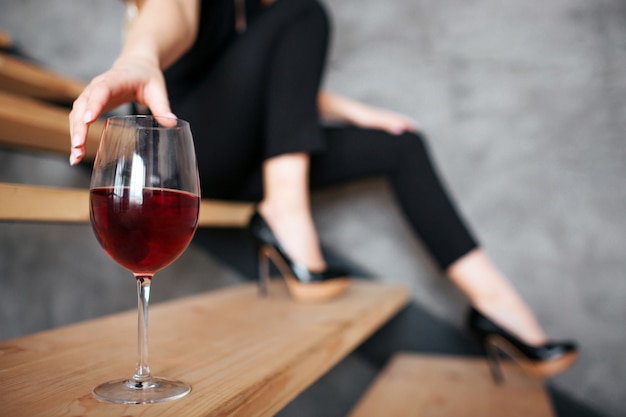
(144, 203)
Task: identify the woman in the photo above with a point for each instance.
(246, 75)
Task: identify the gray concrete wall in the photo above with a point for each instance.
(524, 103)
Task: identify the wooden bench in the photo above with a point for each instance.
(243, 355)
(24, 78)
(68, 205)
(435, 386)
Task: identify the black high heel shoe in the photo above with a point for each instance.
(540, 361)
(303, 285)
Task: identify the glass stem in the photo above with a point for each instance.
(142, 372)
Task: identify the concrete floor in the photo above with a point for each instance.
(524, 103)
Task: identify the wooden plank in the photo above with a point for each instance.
(242, 355)
(36, 203)
(21, 77)
(29, 124)
(435, 386)
(51, 204)
(216, 213)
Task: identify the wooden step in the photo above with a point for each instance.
(242, 355)
(29, 124)
(415, 385)
(54, 204)
(24, 78)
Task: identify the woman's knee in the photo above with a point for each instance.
(319, 17)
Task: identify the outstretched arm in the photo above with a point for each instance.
(162, 32)
(336, 107)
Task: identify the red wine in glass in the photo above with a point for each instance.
(143, 234)
(144, 203)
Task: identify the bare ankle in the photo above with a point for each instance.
(490, 292)
(295, 229)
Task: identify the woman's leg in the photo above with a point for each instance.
(490, 292)
(255, 120)
(354, 153)
(286, 208)
(291, 124)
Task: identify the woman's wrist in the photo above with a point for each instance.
(335, 107)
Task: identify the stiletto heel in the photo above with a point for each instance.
(493, 359)
(264, 273)
(303, 285)
(540, 361)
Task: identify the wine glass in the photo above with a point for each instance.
(144, 201)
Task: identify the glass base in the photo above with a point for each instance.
(129, 391)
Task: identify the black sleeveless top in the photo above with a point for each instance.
(216, 29)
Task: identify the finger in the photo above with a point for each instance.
(414, 125)
(396, 130)
(155, 96)
(405, 124)
(78, 130)
(87, 108)
(399, 127)
(98, 98)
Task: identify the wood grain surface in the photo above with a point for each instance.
(243, 355)
(443, 386)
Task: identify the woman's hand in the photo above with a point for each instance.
(377, 118)
(160, 34)
(359, 114)
(130, 79)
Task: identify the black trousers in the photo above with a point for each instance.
(257, 100)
